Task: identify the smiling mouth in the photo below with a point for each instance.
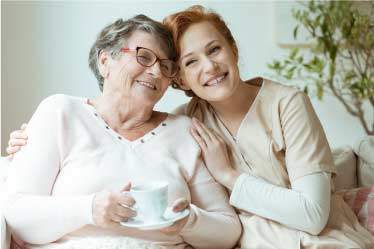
(147, 84)
(216, 81)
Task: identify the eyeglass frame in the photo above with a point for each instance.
(157, 59)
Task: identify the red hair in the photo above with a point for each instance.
(179, 22)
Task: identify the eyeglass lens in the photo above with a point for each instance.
(147, 58)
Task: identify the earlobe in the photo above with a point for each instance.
(181, 84)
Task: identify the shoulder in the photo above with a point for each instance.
(196, 107)
(60, 102)
(277, 91)
(180, 122)
(179, 126)
(281, 96)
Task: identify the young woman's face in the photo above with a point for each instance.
(207, 62)
(149, 84)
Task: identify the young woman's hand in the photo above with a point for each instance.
(215, 154)
(17, 139)
(110, 208)
(178, 206)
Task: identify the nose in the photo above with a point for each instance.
(155, 70)
(209, 65)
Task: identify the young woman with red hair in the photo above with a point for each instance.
(262, 141)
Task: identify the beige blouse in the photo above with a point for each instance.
(281, 139)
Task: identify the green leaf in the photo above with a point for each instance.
(293, 53)
(306, 91)
(295, 32)
(319, 90)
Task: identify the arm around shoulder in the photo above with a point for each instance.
(34, 215)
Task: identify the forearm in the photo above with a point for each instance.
(44, 219)
(206, 229)
(306, 207)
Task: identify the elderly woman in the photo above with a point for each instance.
(68, 182)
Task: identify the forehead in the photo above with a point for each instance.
(197, 36)
(146, 40)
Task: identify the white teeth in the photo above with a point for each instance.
(146, 84)
(215, 81)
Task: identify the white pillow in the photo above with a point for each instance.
(345, 162)
(365, 152)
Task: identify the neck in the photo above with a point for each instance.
(237, 105)
(121, 112)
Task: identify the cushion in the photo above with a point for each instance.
(345, 162)
(364, 149)
(361, 200)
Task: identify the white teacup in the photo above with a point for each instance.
(151, 200)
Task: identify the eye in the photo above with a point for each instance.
(214, 49)
(189, 62)
(144, 58)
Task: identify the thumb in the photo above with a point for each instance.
(127, 187)
(180, 205)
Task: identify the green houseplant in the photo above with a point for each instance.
(340, 58)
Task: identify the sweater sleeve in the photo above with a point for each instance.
(33, 214)
(305, 207)
(213, 223)
(309, 166)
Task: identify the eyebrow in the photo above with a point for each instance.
(207, 45)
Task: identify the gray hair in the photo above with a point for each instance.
(113, 36)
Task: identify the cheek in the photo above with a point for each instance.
(129, 67)
(188, 78)
(192, 75)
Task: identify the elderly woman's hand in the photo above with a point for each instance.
(17, 139)
(178, 206)
(110, 208)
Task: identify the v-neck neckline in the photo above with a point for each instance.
(132, 143)
(235, 137)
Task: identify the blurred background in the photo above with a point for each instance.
(45, 45)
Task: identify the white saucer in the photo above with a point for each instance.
(169, 218)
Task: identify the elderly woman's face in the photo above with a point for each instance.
(148, 83)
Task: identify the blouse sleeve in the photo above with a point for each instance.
(306, 147)
(210, 212)
(32, 213)
(213, 223)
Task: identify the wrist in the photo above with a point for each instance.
(230, 178)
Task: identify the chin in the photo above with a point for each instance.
(217, 96)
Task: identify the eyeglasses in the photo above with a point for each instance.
(148, 58)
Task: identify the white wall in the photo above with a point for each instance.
(45, 48)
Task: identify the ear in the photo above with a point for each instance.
(103, 64)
